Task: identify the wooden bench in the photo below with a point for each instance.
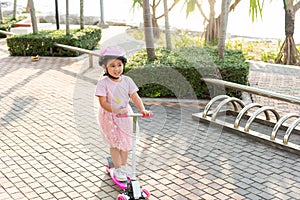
(80, 50)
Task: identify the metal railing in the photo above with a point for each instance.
(210, 115)
(253, 90)
(80, 50)
(7, 33)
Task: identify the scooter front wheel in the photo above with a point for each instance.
(121, 197)
(146, 193)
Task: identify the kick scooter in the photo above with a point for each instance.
(131, 187)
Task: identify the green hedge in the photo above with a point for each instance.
(42, 43)
(178, 73)
(8, 24)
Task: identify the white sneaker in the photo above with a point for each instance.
(126, 170)
(120, 175)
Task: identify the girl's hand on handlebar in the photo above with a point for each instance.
(147, 113)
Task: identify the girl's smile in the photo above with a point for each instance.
(115, 68)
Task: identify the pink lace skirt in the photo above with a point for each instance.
(116, 132)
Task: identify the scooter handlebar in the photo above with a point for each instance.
(135, 115)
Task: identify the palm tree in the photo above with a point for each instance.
(167, 26)
(81, 15)
(148, 30)
(33, 17)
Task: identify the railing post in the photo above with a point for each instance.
(90, 60)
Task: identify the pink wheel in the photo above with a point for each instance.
(121, 197)
(146, 192)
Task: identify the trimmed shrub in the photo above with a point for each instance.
(42, 43)
(179, 73)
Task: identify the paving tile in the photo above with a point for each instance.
(206, 196)
(236, 196)
(221, 196)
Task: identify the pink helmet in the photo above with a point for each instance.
(111, 52)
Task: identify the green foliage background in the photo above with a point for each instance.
(179, 73)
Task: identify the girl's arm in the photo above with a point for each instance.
(139, 104)
(106, 106)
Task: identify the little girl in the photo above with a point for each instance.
(114, 91)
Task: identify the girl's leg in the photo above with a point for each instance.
(117, 160)
(116, 157)
(124, 156)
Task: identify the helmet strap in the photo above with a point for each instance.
(110, 76)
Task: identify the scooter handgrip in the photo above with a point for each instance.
(151, 115)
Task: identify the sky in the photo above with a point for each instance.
(271, 26)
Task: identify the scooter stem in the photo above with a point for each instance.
(135, 121)
(135, 117)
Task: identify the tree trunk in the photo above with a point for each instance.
(167, 26)
(289, 53)
(1, 15)
(155, 27)
(81, 14)
(223, 27)
(33, 17)
(212, 29)
(155, 18)
(67, 18)
(28, 6)
(15, 10)
(148, 30)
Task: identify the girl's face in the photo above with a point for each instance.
(115, 67)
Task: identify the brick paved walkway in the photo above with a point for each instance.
(276, 78)
(50, 145)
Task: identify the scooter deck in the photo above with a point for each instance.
(121, 185)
